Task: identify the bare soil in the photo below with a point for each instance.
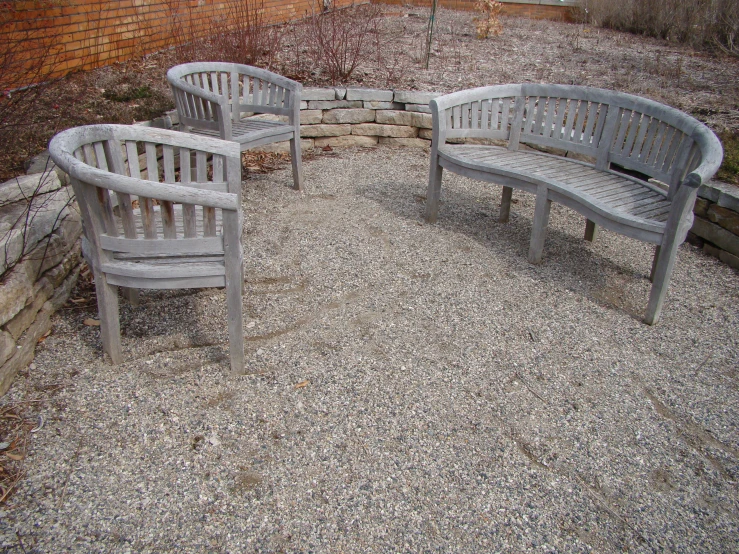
(700, 83)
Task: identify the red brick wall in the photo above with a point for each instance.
(90, 33)
(82, 34)
(534, 11)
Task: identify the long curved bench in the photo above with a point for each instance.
(639, 168)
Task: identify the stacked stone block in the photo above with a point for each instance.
(716, 223)
(340, 117)
(40, 257)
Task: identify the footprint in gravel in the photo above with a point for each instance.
(246, 481)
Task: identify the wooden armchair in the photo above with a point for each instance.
(213, 98)
(161, 210)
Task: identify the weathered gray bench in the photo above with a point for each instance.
(666, 153)
(216, 99)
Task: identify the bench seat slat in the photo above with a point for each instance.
(615, 195)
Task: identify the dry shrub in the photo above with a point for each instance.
(238, 34)
(713, 23)
(340, 39)
(28, 59)
(488, 22)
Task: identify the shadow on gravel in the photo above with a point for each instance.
(569, 260)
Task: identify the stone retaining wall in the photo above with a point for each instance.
(39, 256)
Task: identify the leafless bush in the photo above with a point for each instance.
(246, 38)
(237, 33)
(701, 22)
(488, 20)
(340, 39)
(28, 58)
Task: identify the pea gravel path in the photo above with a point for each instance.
(415, 388)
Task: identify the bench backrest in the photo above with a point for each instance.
(234, 88)
(611, 127)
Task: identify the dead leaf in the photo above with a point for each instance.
(327, 148)
(78, 300)
(16, 457)
(43, 337)
(92, 322)
(302, 384)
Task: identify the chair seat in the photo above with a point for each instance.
(250, 130)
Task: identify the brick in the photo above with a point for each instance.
(311, 117)
(719, 236)
(325, 130)
(374, 129)
(369, 95)
(284, 147)
(414, 97)
(421, 108)
(425, 134)
(332, 105)
(374, 105)
(318, 94)
(405, 142)
(724, 217)
(422, 120)
(394, 117)
(346, 141)
(357, 115)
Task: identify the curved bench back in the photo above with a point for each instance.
(611, 127)
(203, 89)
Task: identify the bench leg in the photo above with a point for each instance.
(654, 262)
(505, 204)
(591, 230)
(110, 326)
(234, 262)
(539, 230)
(664, 258)
(296, 158)
(434, 189)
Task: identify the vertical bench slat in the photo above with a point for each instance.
(115, 155)
(551, 110)
(636, 148)
(648, 140)
(636, 123)
(166, 207)
(188, 210)
(235, 96)
(657, 145)
(592, 118)
(209, 214)
(622, 128)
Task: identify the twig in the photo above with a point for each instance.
(525, 384)
(69, 474)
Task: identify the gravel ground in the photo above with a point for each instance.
(413, 388)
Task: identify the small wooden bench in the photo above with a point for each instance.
(639, 168)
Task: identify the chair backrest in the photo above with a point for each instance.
(201, 88)
(611, 127)
(130, 181)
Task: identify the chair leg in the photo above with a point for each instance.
(591, 230)
(131, 295)
(665, 262)
(297, 163)
(505, 205)
(110, 326)
(539, 230)
(434, 190)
